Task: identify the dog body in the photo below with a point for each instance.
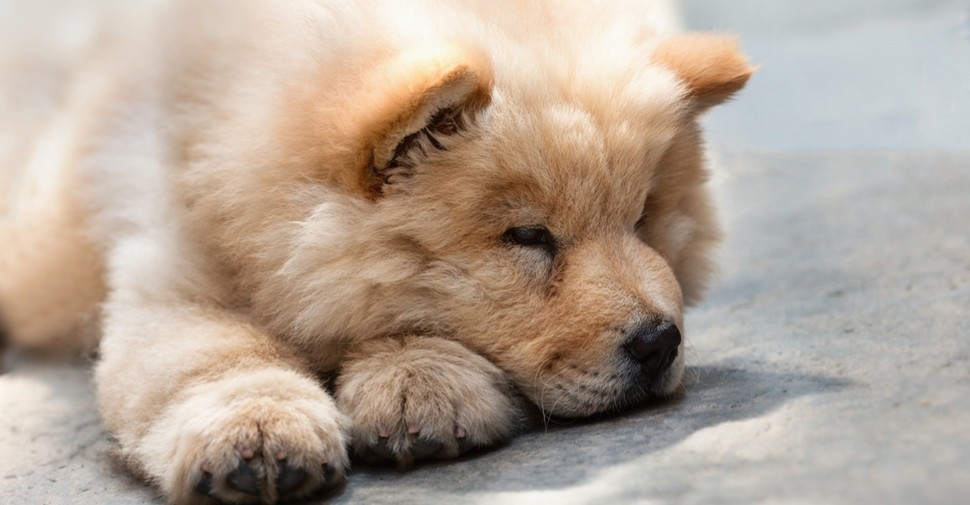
(438, 206)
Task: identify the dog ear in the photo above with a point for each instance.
(710, 65)
(425, 98)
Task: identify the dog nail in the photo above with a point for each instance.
(324, 459)
(383, 432)
(460, 432)
(281, 454)
(206, 467)
(246, 453)
(414, 428)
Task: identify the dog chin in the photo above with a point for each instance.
(622, 389)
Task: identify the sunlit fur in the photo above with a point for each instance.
(249, 197)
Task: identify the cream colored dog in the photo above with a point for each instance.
(301, 226)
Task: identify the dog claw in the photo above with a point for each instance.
(243, 479)
(289, 479)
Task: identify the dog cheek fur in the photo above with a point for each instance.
(350, 275)
(681, 222)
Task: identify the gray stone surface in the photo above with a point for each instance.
(829, 364)
(838, 75)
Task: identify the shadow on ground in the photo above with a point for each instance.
(71, 451)
(565, 455)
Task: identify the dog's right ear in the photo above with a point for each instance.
(711, 66)
(416, 103)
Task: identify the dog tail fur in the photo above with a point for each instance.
(51, 283)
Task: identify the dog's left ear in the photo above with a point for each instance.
(426, 97)
(711, 65)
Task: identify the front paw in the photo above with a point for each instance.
(421, 397)
(257, 437)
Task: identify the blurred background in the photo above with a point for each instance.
(872, 75)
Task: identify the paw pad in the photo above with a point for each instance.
(290, 478)
(243, 480)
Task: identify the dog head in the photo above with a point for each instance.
(552, 218)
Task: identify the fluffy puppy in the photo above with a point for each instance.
(304, 227)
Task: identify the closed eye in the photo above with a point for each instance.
(531, 236)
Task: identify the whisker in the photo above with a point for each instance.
(540, 396)
(546, 416)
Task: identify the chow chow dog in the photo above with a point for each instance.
(302, 229)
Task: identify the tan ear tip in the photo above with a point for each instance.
(479, 66)
(465, 67)
(711, 65)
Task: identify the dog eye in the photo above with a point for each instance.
(530, 236)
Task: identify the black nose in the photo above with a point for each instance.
(655, 347)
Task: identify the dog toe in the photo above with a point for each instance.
(425, 448)
(383, 449)
(290, 478)
(331, 476)
(204, 486)
(243, 480)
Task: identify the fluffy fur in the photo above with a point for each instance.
(250, 201)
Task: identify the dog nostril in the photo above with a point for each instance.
(655, 347)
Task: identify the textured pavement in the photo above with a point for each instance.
(830, 363)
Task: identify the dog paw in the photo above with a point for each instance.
(422, 397)
(258, 438)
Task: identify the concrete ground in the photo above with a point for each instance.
(829, 364)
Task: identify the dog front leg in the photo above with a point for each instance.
(210, 408)
(419, 397)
